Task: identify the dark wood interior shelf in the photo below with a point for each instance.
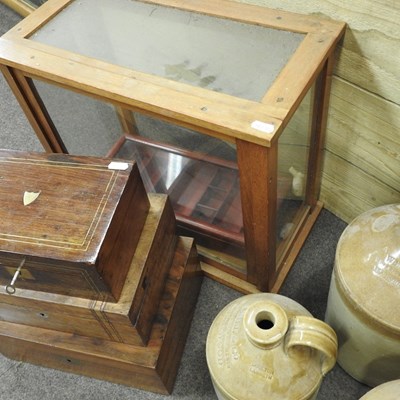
(204, 190)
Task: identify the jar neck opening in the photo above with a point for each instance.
(265, 324)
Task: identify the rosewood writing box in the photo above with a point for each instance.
(76, 242)
(72, 235)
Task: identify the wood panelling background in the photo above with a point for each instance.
(362, 154)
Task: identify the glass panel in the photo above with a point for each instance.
(293, 153)
(185, 139)
(87, 126)
(15, 131)
(37, 3)
(219, 54)
(200, 175)
(198, 172)
(204, 191)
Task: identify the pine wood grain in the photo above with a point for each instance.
(363, 136)
(361, 168)
(370, 53)
(349, 191)
(216, 114)
(364, 130)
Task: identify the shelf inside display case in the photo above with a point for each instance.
(204, 190)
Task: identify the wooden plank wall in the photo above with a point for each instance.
(362, 152)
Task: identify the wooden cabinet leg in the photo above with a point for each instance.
(22, 7)
(258, 189)
(34, 109)
(127, 121)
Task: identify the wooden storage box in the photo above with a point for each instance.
(72, 236)
(153, 367)
(92, 227)
(89, 228)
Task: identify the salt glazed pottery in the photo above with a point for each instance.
(267, 346)
(364, 296)
(386, 391)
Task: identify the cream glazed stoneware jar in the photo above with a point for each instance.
(364, 296)
(267, 346)
(386, 391)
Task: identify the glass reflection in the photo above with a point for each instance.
(198, 172)
(87, 126)
(175, 165)
(215, 53)
(204, 191)
(293, 153)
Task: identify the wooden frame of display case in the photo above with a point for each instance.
(211, 113)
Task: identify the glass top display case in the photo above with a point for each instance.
(223, 106)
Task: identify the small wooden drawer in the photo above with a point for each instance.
(78, 236)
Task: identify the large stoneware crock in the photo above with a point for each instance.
(266, 346)
(386, 391)
(364, 297)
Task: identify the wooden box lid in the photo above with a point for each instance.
(79, 218)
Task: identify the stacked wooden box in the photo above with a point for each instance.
(105, 287)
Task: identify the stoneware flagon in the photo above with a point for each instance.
(364, 296)
(386, 391)
(267, 346)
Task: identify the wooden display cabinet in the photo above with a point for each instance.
(223, 106)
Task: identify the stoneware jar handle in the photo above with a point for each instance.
(311, 332)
